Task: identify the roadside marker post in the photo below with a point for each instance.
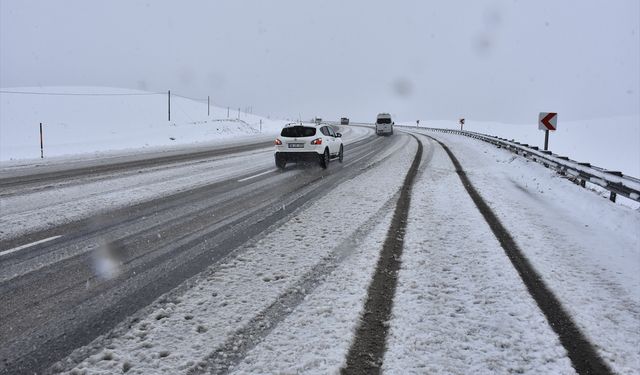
(461, 121)
(547, 121)
(41, 144)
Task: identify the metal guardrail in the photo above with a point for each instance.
(579, 173)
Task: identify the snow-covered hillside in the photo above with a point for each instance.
(78, 120)
(102, 119)
(612, 143)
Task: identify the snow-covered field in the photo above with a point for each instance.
(611, 143)
(101, 120)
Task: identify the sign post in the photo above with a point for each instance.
(547, 121)
(461, 121)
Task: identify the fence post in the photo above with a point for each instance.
(260, 125)
(169, 103)
(41, 144)
(238, 113)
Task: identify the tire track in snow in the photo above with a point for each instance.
(367, 350)
(581, 352)
(236, 347)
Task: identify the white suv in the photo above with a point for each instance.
(317, 142)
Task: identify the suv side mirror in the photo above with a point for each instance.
(338, 135)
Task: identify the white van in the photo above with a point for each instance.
(384, 125)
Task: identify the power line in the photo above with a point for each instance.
(188, 97)
(78, 94)
(108, 94)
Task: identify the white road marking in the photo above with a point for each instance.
(255, 175)
(28, 245)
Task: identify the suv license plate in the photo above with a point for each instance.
(296, 145)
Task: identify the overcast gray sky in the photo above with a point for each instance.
(488, 60)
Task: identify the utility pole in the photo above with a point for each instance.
(227, 112)
(169, 103)
(208, 106)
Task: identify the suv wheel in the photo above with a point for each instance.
(280, 162)
(341, 154)
(324, 159)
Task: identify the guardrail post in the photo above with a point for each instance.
(612, 196)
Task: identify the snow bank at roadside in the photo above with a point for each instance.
(612, 143)
(99, 119)
(586, 248)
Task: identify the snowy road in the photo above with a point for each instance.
(221, 265)
(157, 225)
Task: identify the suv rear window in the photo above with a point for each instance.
(384, 121)
(298, 131)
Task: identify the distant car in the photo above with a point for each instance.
(384, 125)
(344, 121)
(304, 142)
(317, 120)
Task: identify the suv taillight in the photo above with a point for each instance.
(317, 141)
(278, 142)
